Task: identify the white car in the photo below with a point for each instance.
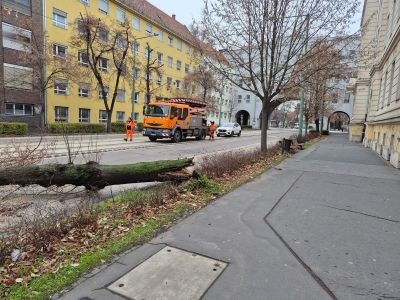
(229, 129)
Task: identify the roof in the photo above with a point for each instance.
(207, 49)
(157, 16)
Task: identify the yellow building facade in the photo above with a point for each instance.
(79, 102)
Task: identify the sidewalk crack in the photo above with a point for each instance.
(310, 271)
(361, 213)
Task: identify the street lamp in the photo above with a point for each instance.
(133, 72)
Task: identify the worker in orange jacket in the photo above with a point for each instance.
(212, 128)
(129, 126)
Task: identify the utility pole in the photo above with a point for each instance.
(133, 82)
(220, 111)
(301, 115)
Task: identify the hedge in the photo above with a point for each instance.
(120, 127)
(60, 128)
(10, 128)
(77, 128)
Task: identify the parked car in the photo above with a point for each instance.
(229, 129)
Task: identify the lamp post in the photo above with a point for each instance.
(301, 114)
(133, 72)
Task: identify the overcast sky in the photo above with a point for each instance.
(187, 10)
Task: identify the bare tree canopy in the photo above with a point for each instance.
(105, 53)
(264, 40)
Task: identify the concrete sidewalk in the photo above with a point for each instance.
(325, 224)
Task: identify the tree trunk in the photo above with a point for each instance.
(264, 126)
(94, 176)
(109, 118)
(306, 129)
(317, 125)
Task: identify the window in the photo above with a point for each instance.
(83, 58)
(120, 95)
(86, 2)
(103, 6)
(136, 98)
(178, 65)
(160, 35)
(120, 15)
(136, 47)
(149, 52)
(347, 98)
(16, 38)
(169, 82)
(159, 79)
(178, 84)
(18, 77)
(60, 86)
(384, 90)
(103, 116)
(84, 115)
(179, 45)
(103, 35)
(136, 116)
(84, 90)
(59, 51)
(170, 40)
(121, 42)
(391, 83)
(170, 61)
(239, 98)
(103, 64)
(136, 73)
(149, 29)
(61, 114)
(59, 18)
(18, 109)
(160, 57)
(136, 22)
(22, 6)
(187, 49)
(101, 93)
(186, 68)
(247, 98)
(120, 116)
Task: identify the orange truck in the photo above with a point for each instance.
(175, 119)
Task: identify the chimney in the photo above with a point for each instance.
(174, 16)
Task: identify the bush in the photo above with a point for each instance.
(119, 127)
(13, 128)
(313, 131)
(77, 128)
(247, 126)
(325, 132)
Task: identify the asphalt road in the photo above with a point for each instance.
(142, 150)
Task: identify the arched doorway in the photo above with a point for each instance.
(339, 121)
(243, 117)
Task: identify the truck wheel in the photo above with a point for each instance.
(152, 139)
(177, 136)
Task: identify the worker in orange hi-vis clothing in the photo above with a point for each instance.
(129, 126)
(212, 128)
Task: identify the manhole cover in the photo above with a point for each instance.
(170, 274)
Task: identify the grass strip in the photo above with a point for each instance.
(49, 283)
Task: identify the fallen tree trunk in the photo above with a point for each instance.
(94, 176)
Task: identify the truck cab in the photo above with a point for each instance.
(175, 119)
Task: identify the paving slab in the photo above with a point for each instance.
(315, 227)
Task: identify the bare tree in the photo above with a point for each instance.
(102, 43)
(152, 66)
(263, 40)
